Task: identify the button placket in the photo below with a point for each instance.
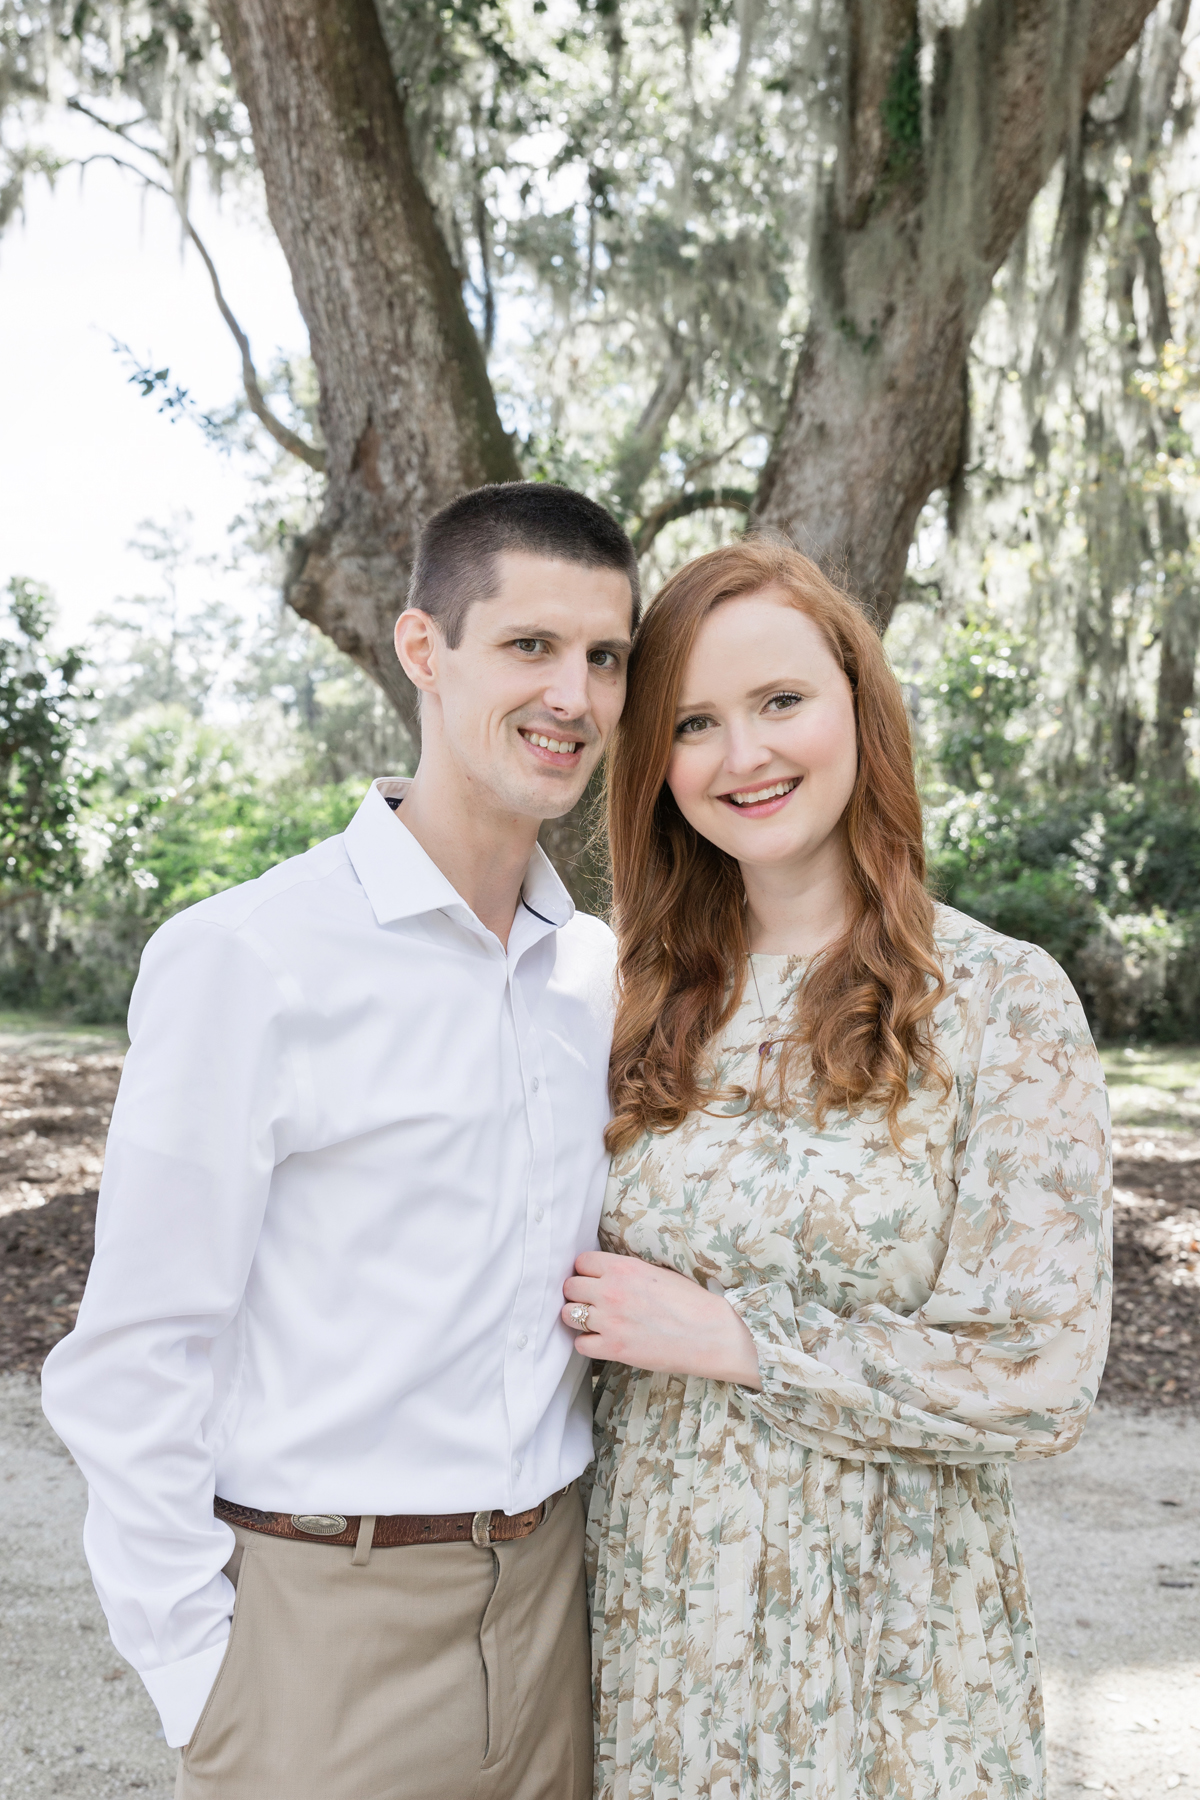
(520, 1392)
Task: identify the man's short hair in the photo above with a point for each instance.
(457, 548)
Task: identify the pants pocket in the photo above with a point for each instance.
(495, 1648)
(213, 1723)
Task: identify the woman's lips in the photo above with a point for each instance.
(773, 800)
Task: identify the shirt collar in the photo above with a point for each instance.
(402, 881)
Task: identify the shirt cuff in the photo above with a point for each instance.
(181, 1689)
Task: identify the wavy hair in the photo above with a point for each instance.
(863, 1010)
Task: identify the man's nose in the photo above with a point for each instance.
(566, 693)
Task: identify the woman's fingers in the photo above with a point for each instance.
(597, 1262)
(581, 1287)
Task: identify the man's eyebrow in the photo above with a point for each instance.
(622, 646)
(530, 631)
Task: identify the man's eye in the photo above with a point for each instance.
(603, 659)
(528, 646)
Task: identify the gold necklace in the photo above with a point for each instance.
(764, 1049)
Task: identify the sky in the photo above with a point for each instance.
(84, 459)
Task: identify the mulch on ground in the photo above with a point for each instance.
(54, 1113)
(1154, 1358)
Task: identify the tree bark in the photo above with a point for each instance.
(407, 410)
(931, 183)
(1179, 641)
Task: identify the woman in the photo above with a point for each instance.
(855, 1248)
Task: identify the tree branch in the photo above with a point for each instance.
(124, 132)
(256, 400)
(681, 506)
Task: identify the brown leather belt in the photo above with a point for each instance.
(392, 1529)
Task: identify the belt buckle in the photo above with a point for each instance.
(319, 1524)
(481, 1530)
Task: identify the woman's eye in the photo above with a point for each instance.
(783, 702)
(689, 727)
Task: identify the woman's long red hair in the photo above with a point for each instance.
(864, 1007)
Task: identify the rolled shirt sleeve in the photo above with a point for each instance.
(202, 1117)
(1004, 1357)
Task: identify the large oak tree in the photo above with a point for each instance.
(939, 148)
(784, 225)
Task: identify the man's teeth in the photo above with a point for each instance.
(560, 746)
(761, 794)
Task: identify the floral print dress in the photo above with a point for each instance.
(816, 1592)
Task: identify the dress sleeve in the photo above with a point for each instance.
(1004, 1357)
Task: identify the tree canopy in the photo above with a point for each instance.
(915, 283)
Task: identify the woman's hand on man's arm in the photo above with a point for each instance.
(658, 1320)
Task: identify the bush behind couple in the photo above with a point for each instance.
(824, 1208)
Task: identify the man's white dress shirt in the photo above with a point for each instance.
(356, 1149)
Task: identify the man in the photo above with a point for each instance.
(356, 1150)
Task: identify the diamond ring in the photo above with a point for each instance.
(579, 1317)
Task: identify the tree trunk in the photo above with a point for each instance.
(931, 183)
(1179, 640)
(407, 410)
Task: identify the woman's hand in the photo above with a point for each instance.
(657, 1319)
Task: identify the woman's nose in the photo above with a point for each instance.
(745, 751)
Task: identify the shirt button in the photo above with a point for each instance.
(540, 1214)
(535, 1084)
(522, 1341)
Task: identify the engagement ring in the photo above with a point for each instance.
(579, 1316)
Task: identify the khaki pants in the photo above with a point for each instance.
(429, 1672)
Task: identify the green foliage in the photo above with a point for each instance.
(214, 753)
(982, 689)
(42, 705)
(177, 816)
(182, 816)
(1107, 880)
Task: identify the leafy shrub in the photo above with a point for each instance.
(1106, 880)
(42, 777)
(177, 817)
(1039, 906)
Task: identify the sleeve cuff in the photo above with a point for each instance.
(180, 1690)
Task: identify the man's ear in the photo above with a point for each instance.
(419, 647)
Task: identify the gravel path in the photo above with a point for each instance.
(1111, 1534)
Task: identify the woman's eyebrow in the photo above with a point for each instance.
(768, 687)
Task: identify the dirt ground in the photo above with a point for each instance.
(56, 1093)
(1111, 1531)
(1112, 1541)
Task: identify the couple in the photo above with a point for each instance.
(332, 1380)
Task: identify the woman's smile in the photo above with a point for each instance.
(763, 801)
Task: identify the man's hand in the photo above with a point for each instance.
(658, 1320)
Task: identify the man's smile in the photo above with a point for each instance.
(559, 752)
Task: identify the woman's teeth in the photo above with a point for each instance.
(761, 794)
(561, 747)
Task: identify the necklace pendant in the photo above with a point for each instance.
(765, 1049)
